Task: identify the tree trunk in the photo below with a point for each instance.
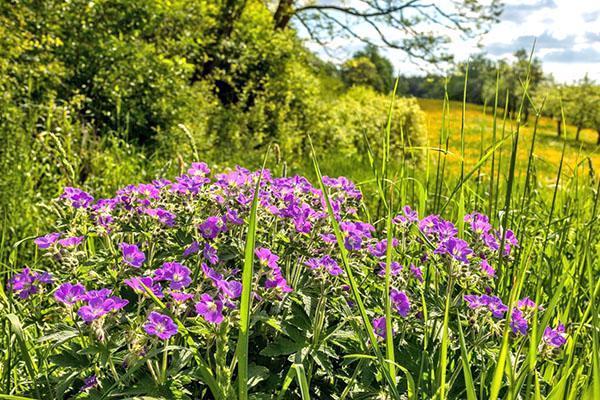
(283, 13)
(598, 142)
(558, 127)
(578, 133)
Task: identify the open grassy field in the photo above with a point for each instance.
(478, 131)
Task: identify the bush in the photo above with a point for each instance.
(361, 111)
(139, 293)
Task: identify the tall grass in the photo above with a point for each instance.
(558, 260)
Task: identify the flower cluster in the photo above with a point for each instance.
(171, 253)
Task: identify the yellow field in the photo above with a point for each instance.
(478, 126)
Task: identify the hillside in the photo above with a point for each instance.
(479, 133)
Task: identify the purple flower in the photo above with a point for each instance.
(400, 301)
(69, 293)
(161, 326)
(210, 309)
(98, 307)
(417, 273)
(177, 275)
(165, 217)
(89, 383)
(193, 248)
(352, 242)
(132, 255)
(77, 198)
(266, 258)
(407, 216)
(487, 268)
(518, 323)
(97, 294)
(325, 262)
(380, 248)
(458, 249)
(278, 282)
(181, 297)
(492, 303)
(137, 283)
(210, 228)
(233, 218)
(555, 337)
(526, 303)
(43, 242)
(199, 169)
(71, 241)
(480, 223)
(395, 268)
(24, 283)
(210, 254)
(379, 327)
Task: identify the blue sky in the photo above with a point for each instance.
(567, 33)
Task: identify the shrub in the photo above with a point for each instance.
(138, 294)
(361, 111)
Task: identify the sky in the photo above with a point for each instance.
(567, 34)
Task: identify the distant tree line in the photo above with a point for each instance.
(488, 82)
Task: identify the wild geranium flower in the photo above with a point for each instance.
(527, 304)
(199, 169)
(98, 307)
(24, 284)
(379, 327)
(266, 258)
(43, 242)
(395, 268)
(210, 309)
(479, 223)
(400, 302)
(211, 228)
(353, 242)
(416, 272)
(137, 283)
(193, 248)
(458, 249)
(89, 383)
(408, 216)
(555, 337)
(492, 303)
(487, 268)
(165, 217)
(231, 289)
(71, 241)
(177, 275)
(380, 248)
(161, 326)
(69, 293)
(97, 294)
(132, 255)
(76, 197)
(210, 254)
(325, 262)
(232, 217)
(181, 297)
(518, 323)
(277, 281)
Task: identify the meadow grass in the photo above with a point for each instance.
(528, 180)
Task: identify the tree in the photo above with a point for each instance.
(368, 67)
(513, 76)
(420, 24)
(580, 100)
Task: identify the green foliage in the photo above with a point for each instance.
(363, 111)
(369, 68)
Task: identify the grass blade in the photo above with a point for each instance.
(246, 298)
